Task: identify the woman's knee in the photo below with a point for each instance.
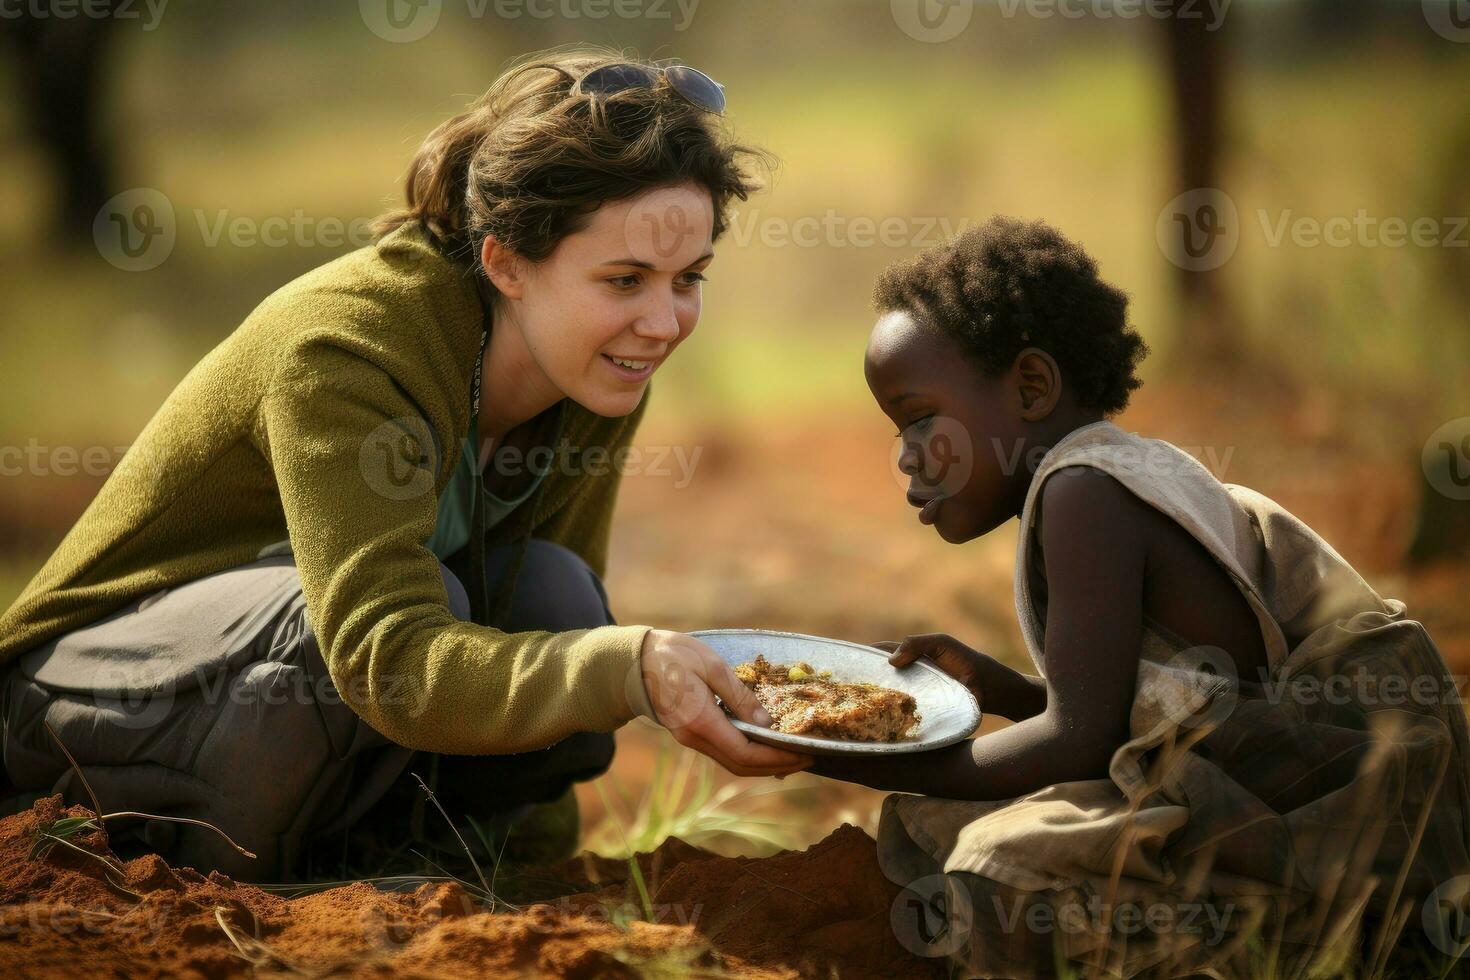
(555, 589)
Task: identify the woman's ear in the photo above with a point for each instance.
(504, 268)
(1039, 381)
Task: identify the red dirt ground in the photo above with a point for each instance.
(815, 913)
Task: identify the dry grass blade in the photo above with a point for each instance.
(251, 949)
(103, 817)
(455, 830)
(1383, 941)
(96, 806)
(47, 840)
(634, 871)
(186, 820)
(499, 858)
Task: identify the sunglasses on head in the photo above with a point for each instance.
(691, 83)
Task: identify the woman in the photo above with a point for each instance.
(290, 585)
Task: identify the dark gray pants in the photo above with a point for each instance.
(211, 700)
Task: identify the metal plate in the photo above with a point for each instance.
(948, 711)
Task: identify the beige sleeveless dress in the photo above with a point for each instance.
(1248, 821)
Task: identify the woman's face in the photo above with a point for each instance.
(604, 311)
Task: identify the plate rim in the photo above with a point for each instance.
(829, 746)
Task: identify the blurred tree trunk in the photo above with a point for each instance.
(1442, 522)
(60, 70)
(1197, 71)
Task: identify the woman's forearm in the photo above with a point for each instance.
(1018, 760)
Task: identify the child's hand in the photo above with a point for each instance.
(1011, 694)
(966, 665)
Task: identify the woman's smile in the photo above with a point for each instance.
(630, 370)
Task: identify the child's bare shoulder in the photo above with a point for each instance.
(1075, 497)
(1086, 518)
(1080, 505)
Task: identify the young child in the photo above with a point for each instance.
(1234, 748)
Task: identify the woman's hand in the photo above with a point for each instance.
(999, 689)
(682, 675)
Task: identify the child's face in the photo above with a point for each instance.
(963, 437)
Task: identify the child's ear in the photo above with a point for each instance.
(1039, 382)
(505, 268)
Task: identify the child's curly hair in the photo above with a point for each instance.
(1007, 285)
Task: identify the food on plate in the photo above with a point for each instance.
(805, 701)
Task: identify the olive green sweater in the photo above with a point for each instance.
(300, 427)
